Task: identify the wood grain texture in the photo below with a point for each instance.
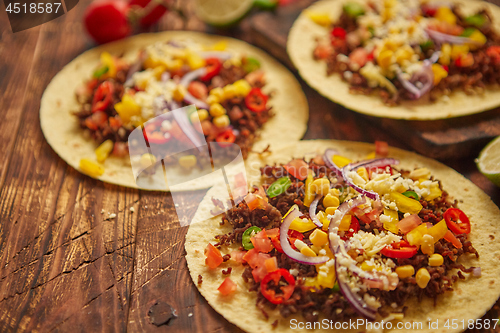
(65, 263)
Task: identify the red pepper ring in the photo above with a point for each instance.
(102, 96)
(276, 276)
(454, 215)
(256, 100)
(213, 67)
(399, 251)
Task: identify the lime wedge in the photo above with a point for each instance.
(488, 161)
(221, 13)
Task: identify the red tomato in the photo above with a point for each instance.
(274, 235)
(106, 20)
(409, 223)
(120, 149)
(225, 138)
(322, 51)
(261, 242)
(237, 256)
(359, 56)
(271, 264)
(214, 258)
(198, 90)
(297, 168)
(115, 123)
(256, 100)
(494, 53)
(381, 148)
(227, 287)
(213, 66)
(153, 15)
(259, 273)
(255, 259)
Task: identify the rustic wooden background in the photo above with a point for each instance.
(64, 264)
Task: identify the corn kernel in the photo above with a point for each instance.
(403, 54)
(187, 161)
(217, 110)
(158, 71)
(320, 186)
(179, 93)
(102, 152)
(217, 92)
(147, 160)
(427, 246)
(315, 248)
(91, 168)
(367, 266)
(444, 58)
(445, 14)
(202, 114)
(423, 277)
(242, 87)
(318, 237)
(405, 271)
(363, 173)
(436, 260)
(230, 91)
(221, 121)
(195, 61)
(174, 64)
(335, 192)
(307, 251)
(212, 99)
(340, 161)
(384, 59)
(330, 210)
(320, 18)
(331, 201)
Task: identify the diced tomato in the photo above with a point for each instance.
(409, 223)
(120, 149)
(465, 60)
(254, 201)
(271, 264)
(213, 66)
(429, 10)
(297, 168)
(261, 242)
(274, 235)
(339, 32)
(115, 123)
(198, 90)
(214, 257)
(381, 148)
(322, 51)
(494, 53)
(404, 252)
(237, 256)
(254, 258)
(177, 133)
(373, 171)
(359, 56)
(227, 287)
(450, 237)
(259, 273)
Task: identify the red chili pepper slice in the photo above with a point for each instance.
(454, 215)
(399, 251)
(102, 96)
(213, 66)
(276, 276)
(354, 226)
(339, 32)
(256, 100)
(225, 138)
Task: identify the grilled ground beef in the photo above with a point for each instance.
(328, 302)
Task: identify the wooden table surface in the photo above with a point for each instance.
(64, 264)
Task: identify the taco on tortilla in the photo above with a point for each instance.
(235, 94)
(406, 59)
(331, 233)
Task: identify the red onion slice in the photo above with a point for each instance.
(343, 209)
(445, 38)
(476, 271)
(327, 157)
(285, 244)
(312, 211)
(367, 164)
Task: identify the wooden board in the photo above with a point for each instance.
(441, 139)
(65, 263)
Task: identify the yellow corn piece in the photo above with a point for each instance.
(320, 18)
(187, 161)
(439, 73)
(405, 204)
(179, 93)
(127, 108)
(403, 53)
(392, 225)
(423, 277)
(330, 201)
(109, 61)
(458, 51)
(221, 121)
(367, 266)
(330, 210)
(318, 237)
(102, 152)
(198, 116)
(195, 61)
(405, 271)
(385, 59)
(217, 110)
(151, 62)
(438, 231)
(322, 218)
(436, 260)
(307, 251)
(415, 236)
(91, 168)
(212, 99)
(427, 246)
(217, 92)
(326, 280)
(302, 226)
(242, 87)
(340, 161)
(308, 195)
(444, 14)
(444, 57)
(477, 36)
(320, 186)
(229, 92)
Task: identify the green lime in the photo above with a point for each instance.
(488, 161)
(266, 4)
(222, 13)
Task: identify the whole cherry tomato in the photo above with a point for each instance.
(106, 20)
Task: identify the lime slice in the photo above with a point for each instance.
(488, 161)
(222, 13)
